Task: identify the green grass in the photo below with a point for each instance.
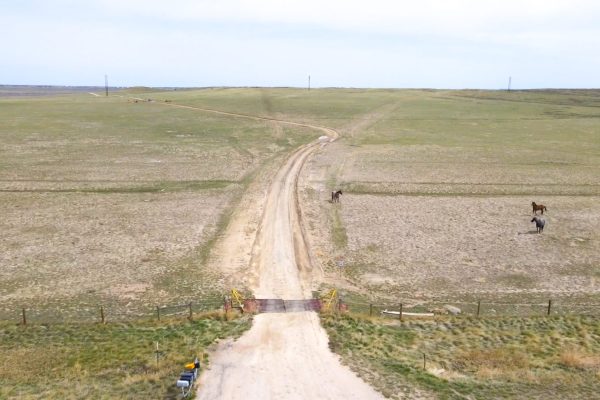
(334, 108)
(86, 138)
(106, 361)
(146, 187)
(503, 358)
(479, 143)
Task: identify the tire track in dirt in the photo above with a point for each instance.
(328, 131)
(283, 356)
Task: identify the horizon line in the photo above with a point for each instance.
(5, 85)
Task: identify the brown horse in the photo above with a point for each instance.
(335, 196)
(537, 207)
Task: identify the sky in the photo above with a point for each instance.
(450, 44)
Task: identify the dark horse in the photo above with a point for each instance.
(539, 223)
(537, 207)
(335, 196)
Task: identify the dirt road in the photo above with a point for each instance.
(283, 356)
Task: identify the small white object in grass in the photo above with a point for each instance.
(452, 310)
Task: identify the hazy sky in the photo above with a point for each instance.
(350, 43)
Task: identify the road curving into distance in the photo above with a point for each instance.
(283, 356)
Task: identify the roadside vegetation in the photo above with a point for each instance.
(111, 361)
(499, 358)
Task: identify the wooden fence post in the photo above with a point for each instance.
(424, 361)
(158, 312)
(102, 314)
(190, 305)
(400, 313)
(24, 317)
(157, 355)
(370, 310)
(549, 306)
(478, 307)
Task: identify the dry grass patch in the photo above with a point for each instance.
(506, 363)
(98, 249)
(502, 357)
(580, 358)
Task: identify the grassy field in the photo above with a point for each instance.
(469, 143)
(437, 193)
(489, 358)
(334, 108)
(109, 201)
(116, 202)
(112, 361)
(436, 211)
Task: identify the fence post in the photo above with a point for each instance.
(549, 306)
(478, 307)
(24, 317)
(190, 305)
(370, 310)
(400, 313)
(424, 361)
(158, 312)
(102, 314)
(157, 355)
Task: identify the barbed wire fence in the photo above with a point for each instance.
(477, 309)
(103, 314)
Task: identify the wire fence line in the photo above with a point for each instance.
(478, 309)
(104, 313)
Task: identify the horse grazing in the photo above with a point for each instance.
(537, 207)
(335, 196)
(539, 223)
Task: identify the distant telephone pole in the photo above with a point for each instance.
(509, 82)
(106, 84)
(309, 83)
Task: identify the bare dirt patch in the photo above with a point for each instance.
(422, 247)
(66, 247)
(468, 244)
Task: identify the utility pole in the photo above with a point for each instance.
(509, 82)
(309, 83)
(106, 84)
